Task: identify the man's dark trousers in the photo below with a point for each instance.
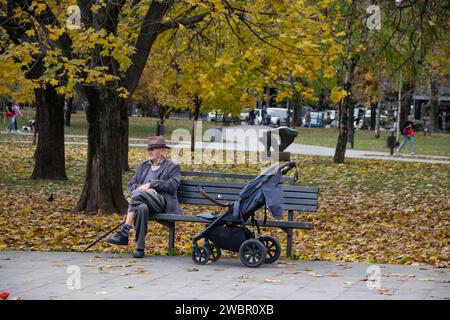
(143, 204)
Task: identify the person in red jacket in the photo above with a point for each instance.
(408, 134)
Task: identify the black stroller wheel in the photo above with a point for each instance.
(200, 254)
(215, 251)
(252, 253)
(273, 248)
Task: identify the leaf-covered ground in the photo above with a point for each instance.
(369, 211)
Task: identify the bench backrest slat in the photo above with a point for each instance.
(301, 197)
(285, 206)
(240, 185)
(227, 175)
(236, 187)
(295, 198)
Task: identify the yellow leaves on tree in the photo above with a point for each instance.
(12, 81)
(337, 94)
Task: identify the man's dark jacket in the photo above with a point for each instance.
(166, 184)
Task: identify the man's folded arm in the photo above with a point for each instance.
(170, 185)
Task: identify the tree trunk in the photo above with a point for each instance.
(102, 189)
(373, 116)
(377, 120)
(298, 106)
(68, 112)
(434, 105)
(103, 183)
(339, 154)
(346, 107)
(407, 99)
(197, 106)
(298, 116)
(125, 135)
(383, 89)
(346, 116)
(49, 155)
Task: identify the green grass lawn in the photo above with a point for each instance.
(438, 144)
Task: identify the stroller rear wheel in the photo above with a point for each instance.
(252, 253)
(273, 248)
(215, 251)
(200, 254)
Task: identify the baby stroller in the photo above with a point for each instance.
(229, 232)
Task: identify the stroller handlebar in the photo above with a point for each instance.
(207, 196)
(287, 166)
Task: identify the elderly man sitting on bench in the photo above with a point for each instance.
(153, 190)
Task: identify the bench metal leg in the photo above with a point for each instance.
(171, 238)
(289, 238)
(289, 243)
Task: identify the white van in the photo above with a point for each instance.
(259, 120)
(281, 114)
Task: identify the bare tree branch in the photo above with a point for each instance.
(188, 22)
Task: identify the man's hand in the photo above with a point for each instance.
(144, 187)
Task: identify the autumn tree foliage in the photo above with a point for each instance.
(208, 54)
(104, 46)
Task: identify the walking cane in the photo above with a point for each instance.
(103, 236)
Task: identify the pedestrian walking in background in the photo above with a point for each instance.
(408, 134)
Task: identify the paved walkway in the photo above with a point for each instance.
(44, 275)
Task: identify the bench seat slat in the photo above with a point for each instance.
(285, 206)
(269, 223)
(232, 197)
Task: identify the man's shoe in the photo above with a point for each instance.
(118, 239)
(138, 254)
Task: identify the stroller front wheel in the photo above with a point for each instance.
(215, 251)
(252, 253)
(200, 254)
(273, 248)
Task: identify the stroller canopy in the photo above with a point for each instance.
(265, 189)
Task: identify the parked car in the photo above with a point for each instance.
(270, 118)
(281, 114)
(332, 113)
(215, 116)
(244, 115)
(317, 120)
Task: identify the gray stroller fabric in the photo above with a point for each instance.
(264, 189)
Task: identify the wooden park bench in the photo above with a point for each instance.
(295, 198)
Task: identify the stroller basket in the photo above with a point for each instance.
(230, 237)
